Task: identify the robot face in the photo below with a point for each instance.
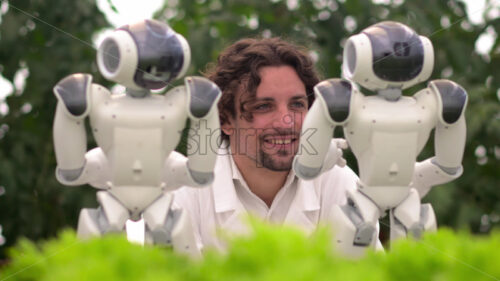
(398, 54)
(145, 55)
(387, 55)
(163, 55)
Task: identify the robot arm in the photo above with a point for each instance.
(73, 94)
(428, 174)
(450, 131)
(449, 138)
(332, 107)
(203, 136)
(177, 172)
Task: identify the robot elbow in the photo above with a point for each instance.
(68, 176)
(202, 178)
(305, 172)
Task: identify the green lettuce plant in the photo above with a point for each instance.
(269, 253)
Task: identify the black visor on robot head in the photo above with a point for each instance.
(160, 53)
(398, 53)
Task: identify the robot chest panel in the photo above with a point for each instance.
(139, 117)
(374, 116)
(406, 115)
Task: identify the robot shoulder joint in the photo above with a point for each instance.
(203, 94)
(336, 94)
(74, 92)
(452, 100)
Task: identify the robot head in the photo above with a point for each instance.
(145, 55)
(388, 55)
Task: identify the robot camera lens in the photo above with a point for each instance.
(110, 55)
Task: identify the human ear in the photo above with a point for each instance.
(228, 127)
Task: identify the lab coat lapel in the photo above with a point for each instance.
(304, 210)
(229, 210)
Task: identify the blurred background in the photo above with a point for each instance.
(42, 41)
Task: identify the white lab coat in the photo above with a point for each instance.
(218, 207)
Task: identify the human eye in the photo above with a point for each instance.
(299, 104)
(262, 107)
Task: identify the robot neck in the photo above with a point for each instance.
(390, 94)
(142, 93)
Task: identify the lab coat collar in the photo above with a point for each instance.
(304, 209)
(225, 198)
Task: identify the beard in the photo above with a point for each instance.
(267, 160)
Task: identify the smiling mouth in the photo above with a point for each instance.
(280, 140)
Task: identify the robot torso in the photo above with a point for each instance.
(386, 137)
(137, 135)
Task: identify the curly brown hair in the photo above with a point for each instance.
(237, 69)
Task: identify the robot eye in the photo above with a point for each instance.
(398, 53)
(154, 73)
(403, 63)
(401, 49)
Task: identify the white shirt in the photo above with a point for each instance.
(228, 200)
(255, 206)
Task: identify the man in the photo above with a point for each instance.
(267, 88)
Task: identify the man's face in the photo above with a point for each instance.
(270, 138)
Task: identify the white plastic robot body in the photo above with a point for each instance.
(386, 138)
(155, 119)
(135, 163)
(136, 138)
(137, 135)
(386, 133)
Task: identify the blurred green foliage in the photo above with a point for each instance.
(270, 253)
(50, 39)
(34, 204)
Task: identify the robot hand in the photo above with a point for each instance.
(428, 174)
(334, 154)
(333, 157)
(341, 144)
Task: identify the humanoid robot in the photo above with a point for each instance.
(134, 164)
(386, 132)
